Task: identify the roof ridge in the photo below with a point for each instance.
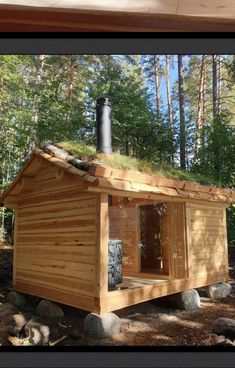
(65, 156)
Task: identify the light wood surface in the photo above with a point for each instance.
(108, 15)
(147, 290)
(138, 282)
(146, 6)
(207, 8)
(211, 8)
(56, 238)
(208, 240)
(101, 261)
(57, 294)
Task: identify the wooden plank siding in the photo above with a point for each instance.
(56, 240)
(208, 240)
(62, 228)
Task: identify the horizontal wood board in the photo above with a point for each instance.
(56, 241)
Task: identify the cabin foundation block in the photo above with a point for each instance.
(187, 300)
(100, 326)
(218, 291)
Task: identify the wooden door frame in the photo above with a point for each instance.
(138, 270)
(186, 244)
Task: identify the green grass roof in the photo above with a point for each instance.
(119, 161)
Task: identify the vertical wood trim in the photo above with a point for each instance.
(226, 243)
(177, 234)
(188, 240)
(102, 237)
(15, 245)
(170, 240)
(138, 250)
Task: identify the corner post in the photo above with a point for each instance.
(15, 245)
(102, 251)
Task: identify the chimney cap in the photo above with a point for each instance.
(103, 101)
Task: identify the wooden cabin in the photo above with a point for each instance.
(173, 233)
(121, 16)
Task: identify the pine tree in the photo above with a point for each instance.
(182, 113)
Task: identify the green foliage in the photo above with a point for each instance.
(53, 98)
(217, 154)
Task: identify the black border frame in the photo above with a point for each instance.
(117, 43)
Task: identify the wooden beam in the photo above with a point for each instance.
(56, 294)
(142, 181)
(102, 250)
(30, 18)
(100, 170)
(15, 246)
(225, 239)
(171, 183)
(11, 201)
(188, 238)
(127, 297)
(133, 176)
(156, 197)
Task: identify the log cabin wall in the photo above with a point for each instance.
(207, 240)
(55, 241)
(62, 232)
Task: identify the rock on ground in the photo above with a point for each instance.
(7, 308)
(187, 300)
(15, 298)
(101, 326)
(74, 333)
(221, 340)
(218, 291)
(48, 309)
(37, 333)
(11, 321)
(225, 326)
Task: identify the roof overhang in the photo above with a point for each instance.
(104, 178)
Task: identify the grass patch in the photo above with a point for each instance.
(118, 161)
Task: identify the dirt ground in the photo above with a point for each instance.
(153, 323)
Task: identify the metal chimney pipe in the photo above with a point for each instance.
(103, 126)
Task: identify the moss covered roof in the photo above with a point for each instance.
(119, 161)
(120, 173)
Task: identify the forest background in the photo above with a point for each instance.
(176, 110)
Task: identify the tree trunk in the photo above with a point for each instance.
(168, 92)
(70, 89)
(215, 87)
(39, 63)
(156, 76)
(200, 107)
(182, 113)
(219, 82)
